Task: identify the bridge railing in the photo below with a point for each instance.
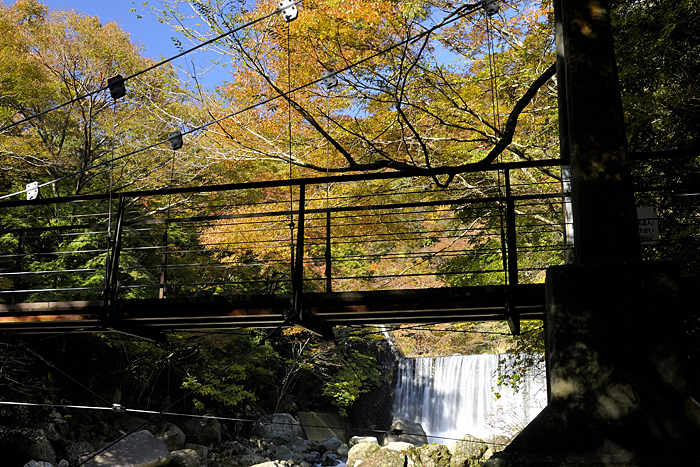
(331, 234)
(348, 233)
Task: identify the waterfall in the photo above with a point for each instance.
(455, 396)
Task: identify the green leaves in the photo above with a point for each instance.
(357, 374)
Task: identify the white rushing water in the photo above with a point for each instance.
(455, 396)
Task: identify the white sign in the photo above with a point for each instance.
(648, 225)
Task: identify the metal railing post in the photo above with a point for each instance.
(163, 264)
(329, 282)
(512, 248)
(298, 272)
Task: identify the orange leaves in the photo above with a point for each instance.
(250, 233)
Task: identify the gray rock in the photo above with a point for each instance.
(267, 464)
(34, 442)
(130, 423)
(206, 431)
(466, 452)
(203, 451)
(407, 432)
(279, 425)
(235, 447)
(312, 457)
(362, 439)
(385, 458)
(77, 450)
(140, 449)
(360, 452)
(298, 445)
(172, 436)
(399, 446)
(63, 463)
(283, 453)
(61, 425)
(434, 455)
(38, 464)
(185, 458)
(245, 460)
(343, 450)
(331, 444)
(50, 430)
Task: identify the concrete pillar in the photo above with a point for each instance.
(618, 393)
(617, 387)
(592, 134)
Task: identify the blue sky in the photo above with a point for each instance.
(146, 31)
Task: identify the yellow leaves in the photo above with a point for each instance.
(250, 233)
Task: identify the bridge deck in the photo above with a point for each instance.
(484, 303)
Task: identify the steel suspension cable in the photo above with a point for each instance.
(454, 16)
(145, 70)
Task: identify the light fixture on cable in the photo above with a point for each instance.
(490, 7)
(32, 190)
(116, 87)
(118, 408)
(175, 139)
(289, 10)
(329, 79)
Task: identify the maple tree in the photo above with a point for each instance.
(421, 85)
(62, 128)
(58, 56)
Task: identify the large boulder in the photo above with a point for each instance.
(467, 452)
(407, 432)
(278, 426)
(205, 430)
(360, 452)
(140, 449)
(384, 458)
(172, 436)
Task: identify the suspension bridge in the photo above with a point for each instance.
(393, 249)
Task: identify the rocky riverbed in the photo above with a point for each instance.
(271, 441)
